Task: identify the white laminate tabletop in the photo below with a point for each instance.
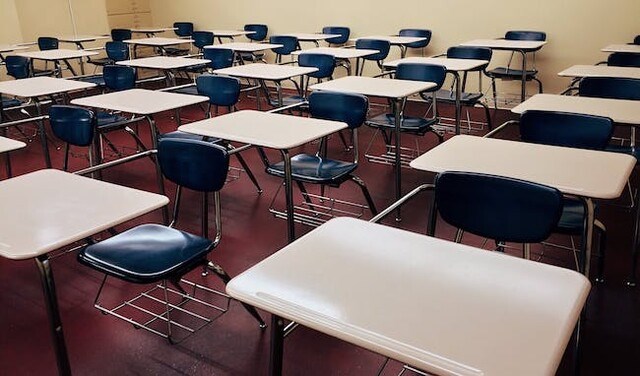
(619, 110)
(82, 38)
(439, 306)
(504, 44)
(40, 86)
(59, 54)
(458, 65)
(152, 30)
(587, 173)
(246, 47)
(376, 87)
(163, 62)
(11, 47)
(229, 33)
(310, 37)
(395, 40)
(622, 48)
(271, 72)
(276, 131)
(337, 52)
(7, 144)
(140, 101)
(48, 209)
(600, 71)
(157, 41)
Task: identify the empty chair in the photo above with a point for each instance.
(413, 124)
(259, 32)
(75, 126)
(182, 30)
(119, 77)
(289, 44)
(610, 87)
(18, 67)
(219, 57)
(469, 99)
(162, 255)
(119, 35)
(47, 43)
(419, 33)
(116, 51)
(624, 59)
(320, 169)
(509, 73)
(382, 46)
(202, 39)
(343, 32)
(574, 131)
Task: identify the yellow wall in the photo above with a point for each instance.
(576, 29)
(10, 31)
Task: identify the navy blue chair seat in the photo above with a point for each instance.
(572, 218)
(10, 102)
(314, 169)
(96, 79)
(146, 254)
(449, 96)
(107, 119)
(510, 73)
(192, 90)
(188, 136)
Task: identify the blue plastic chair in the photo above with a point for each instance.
(469, 99)
(413, 124)
(610, 87)
(508, 73)
(119, 35)
(116, 51)
(382, 46)
(183, 30)
(636, 40)
(343, 31)
(575, 131)
(220, 57)
(259, 32)
(289, 44)
(624, 59)
(202, 39)
(18, 67)
(319, 169)
(48, 43)
(152, 254)
(119, 77)
(420, 33)
(75, 126)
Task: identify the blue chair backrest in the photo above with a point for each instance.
(422, 72)
(421, 33)
(220, 57)
(610, 87)
(348, 108)
(566, 129)
(117, 51)
(326, 64)
(259, 31)
(289, 44)
(476, 53)
(119, 77)
(636, 40)
(18, 67)
(202, 38)
(221, 90)
(382, 46)
(342, 30)
(197, 165)
(183, 29)
(525, 35)
(118, 35)
(497, 207)
(624, 59)
(71, 124)
(47, 43)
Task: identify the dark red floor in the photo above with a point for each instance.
(234, 345)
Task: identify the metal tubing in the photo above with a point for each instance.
(159, 178)
(277, 346)
(43, 134)
(51, 303)
(288, 190)
(397, 109)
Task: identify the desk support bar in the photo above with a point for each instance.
(116, 162)
(401, 202)
(500, 128)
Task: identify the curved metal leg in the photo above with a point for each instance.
(365, 192)
(246, 168)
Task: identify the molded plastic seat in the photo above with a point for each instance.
(119, 35)
(259, 32)
(325, 63)
(202, 39)
(183, 30)
(624, 59)
(220, 57)
(420, 33)
(119, 77)
(147, 253)
(610, 87)
(289, 44)
(10, 102)
(116, 51)
(382, 46)
(71, 124)
(314, 169)
(414, 72)
(47, 43)
(344, 32)
(18, 67)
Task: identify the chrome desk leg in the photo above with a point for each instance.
(523, 88)
(51, 303)
(277, 346)
(397, 111)
(43, 135)
(288, 191)
(160, 180)
(456, 76)
(585, 264)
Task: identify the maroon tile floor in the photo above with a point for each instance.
(234, 345)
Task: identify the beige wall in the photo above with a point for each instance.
(576, 29)
(10, 31)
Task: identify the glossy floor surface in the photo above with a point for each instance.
(233, 344)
